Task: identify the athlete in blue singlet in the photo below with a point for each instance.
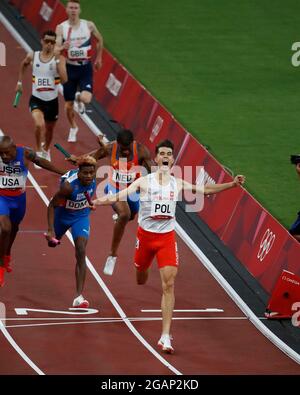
(69, 209)
(14, 163)
(127, 159)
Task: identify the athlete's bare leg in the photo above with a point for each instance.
(49, 134)
(12, 237)
(39, 128)
(5, 230)
(167, 275)
(142, 277)
(80, 270)
(124, 215)
(85, 97)
(69, 107)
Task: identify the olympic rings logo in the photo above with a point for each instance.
(266, 244)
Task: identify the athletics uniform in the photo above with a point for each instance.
(74, 213)
(79, 66)
(45, 82)
(156, 235)
(12, 187)
(122, 174)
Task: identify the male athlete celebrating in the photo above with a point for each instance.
(156, 236)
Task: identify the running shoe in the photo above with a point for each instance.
(80, 303)
(165, 344)
(40, 154)
(46, 155)
(2, 271)
(72, 138)
(7, 263)
(110, 265)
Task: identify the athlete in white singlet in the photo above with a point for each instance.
(48, 70)
(159, 193)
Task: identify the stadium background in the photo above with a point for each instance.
(224, 70)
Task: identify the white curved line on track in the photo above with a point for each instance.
(105, 289)
(190, 243)
(12, 342)
(120, 320)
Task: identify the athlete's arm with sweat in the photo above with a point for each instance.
(31, 156)
(63, 193)
(60, 46)
(23, 66)
(210, 189)
(99, 45)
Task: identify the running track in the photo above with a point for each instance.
(205, 343)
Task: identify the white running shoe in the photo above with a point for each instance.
(165, 344)
(47, 155)
(80, 302)
(115, 217)
(78, 104)
(40, 154)
(72, 138)
(110, 265)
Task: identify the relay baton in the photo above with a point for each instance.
(17, 99)
(52, 242)
(62, 150)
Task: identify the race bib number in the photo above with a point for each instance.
(8, 182)
(79, 53)
(72, 205)
(162, 210)
(44, 84)
(123, 177)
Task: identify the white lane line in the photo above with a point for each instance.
(187, 311)
(41, 186)
(106, 290)
(121, 319)
(10, 339)
(236, 297)
(205, 261)
(137, 319)
(190, 243)
(19, 350)
(108, 293)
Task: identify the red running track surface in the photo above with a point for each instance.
(43, 278)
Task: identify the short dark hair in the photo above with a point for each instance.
(50, 33)
(85, 161)
(164, 143)
(73, 1)
(6, 140)
(125, 137)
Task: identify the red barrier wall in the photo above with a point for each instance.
(253, 235)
